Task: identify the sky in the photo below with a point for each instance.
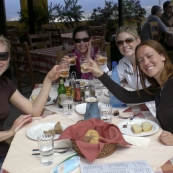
(13, 6)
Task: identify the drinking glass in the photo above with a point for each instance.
(46, 148)
(84, 63)
(64, 69)
(72, 57)
(98, 87)
(101, 58)
(106, 112)
(67, 104)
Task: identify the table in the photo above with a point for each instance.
(44, 59)
(20, 152)
(169, 37)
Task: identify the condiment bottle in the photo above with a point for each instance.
(61, 92)
(77, 92)
(87, 91)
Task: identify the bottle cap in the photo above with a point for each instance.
(114, 63)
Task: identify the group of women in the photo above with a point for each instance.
(145, 66)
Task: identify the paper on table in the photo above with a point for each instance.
(140, 166)
(137, 141)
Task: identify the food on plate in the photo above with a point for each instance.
(50, 132)
(82, 83)
(136, 129)
(58, 128)
(116, 113)
(91, 136)
(146, 126)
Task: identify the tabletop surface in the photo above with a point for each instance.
(156, 154)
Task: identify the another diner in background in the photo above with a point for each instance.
(127, 39)
(82, 38)
(167, 16)
(155, 15)
(154, 65)
(10, 94)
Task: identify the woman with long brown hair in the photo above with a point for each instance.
(154, 65)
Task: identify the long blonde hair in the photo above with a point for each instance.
(6, 43)
(167, 70)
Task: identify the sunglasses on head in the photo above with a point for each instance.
(127, 41)
(78, 40)
(4, 56)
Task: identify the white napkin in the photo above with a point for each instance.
(104, 68)
(151, 106)
(137, 141)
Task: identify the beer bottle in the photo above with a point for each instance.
(61, 92)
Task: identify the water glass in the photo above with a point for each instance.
(101, 58)
(106, 112)
(46, 148)
(64, 69)
(98, 87)
(84, 63)
(67, 104)
(72, 57)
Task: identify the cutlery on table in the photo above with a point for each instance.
(135, 111)
(60, 152)
(61, 148)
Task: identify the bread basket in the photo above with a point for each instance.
(107, 150)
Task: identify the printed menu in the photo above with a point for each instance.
(140, 166)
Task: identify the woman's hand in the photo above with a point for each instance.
(19, 122)
(54, 73)
(66, 58)
(94, 69)
(166, 138)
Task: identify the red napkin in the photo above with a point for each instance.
(109, 133)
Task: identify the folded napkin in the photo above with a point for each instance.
(137, 141)
(109, 133)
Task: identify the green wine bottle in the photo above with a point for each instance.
(61, 92)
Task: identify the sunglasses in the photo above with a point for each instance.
(127, 41)
(78, 40)
(4, 56)
(170, 6)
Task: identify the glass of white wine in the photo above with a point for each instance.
(64, 69)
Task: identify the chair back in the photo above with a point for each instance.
(37, 41)
(22, 65)
(154, 31)
(98, 30)
(98, 42)
(55, 35)
(138, 23)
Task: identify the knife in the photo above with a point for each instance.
(54, 148)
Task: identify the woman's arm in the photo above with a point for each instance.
(35, 108)
(17, 125)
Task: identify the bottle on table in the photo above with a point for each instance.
(61, 92)
(77, 92)
(114, 102)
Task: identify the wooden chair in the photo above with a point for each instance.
(40, 41)
(138, 23)
(154, 31)
(98, 42)
(55, 35)
(22, 65)
(98, 30)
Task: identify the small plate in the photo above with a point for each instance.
(81, 108)
(34, 131)
(83, 82)
(139, 121)
(51, 101)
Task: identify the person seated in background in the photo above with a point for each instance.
(127, 39)
(155, 15)
(82, 39)
(167, 16)
(9, 94)
(154, 65)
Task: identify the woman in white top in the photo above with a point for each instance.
(127, 39)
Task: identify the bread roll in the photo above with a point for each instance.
(146, 126)
(136, 129)
(91, 136)
(58, 128)
(50, 132)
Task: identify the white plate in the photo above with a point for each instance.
(81, 108)
(34, 131)
(139, 121)
(51, 101)
(86, 82)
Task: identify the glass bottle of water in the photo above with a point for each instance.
(115, 77)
